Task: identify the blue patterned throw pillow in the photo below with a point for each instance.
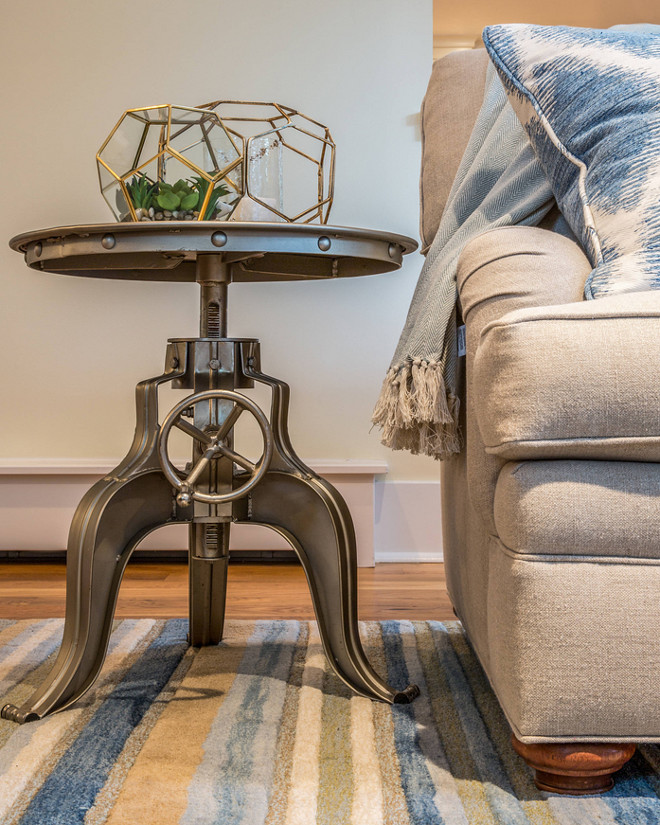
(589, 100)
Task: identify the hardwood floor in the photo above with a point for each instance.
(264, 591)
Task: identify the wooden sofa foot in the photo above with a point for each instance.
(577, 769)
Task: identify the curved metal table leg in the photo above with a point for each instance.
(110, 520)
(315, 520)
(113, 516)
(313, 517)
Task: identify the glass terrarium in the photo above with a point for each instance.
(169, 163)
(289, 162)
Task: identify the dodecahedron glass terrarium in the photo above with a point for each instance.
(171, 163)
(289, 162)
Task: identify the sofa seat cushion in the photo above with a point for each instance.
(572, 381)
(580, 508)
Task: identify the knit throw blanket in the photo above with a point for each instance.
(499, 182)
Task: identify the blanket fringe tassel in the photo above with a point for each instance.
(415, 411)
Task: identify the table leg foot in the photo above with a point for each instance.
(110, 520)
(314, 518)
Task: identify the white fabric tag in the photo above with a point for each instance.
(460, 340)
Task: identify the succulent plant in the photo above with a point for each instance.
(176, 196)
(201, 185)
(141, 191)
(183, 195)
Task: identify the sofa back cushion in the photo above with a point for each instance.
(453, 99)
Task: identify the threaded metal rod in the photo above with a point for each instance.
(213, 275)
(213, 311)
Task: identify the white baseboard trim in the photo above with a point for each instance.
(395, 521)
(409, 557)
(38, 498)
(407, 522)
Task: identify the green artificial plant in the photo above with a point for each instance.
(201, 185)
(180, 195)
(183, 195)
(141, 191)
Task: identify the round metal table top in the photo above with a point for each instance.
(168, 250)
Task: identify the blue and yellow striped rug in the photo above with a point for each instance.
(257, 731)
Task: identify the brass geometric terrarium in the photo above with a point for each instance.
(289, 161)
(171, 163)
(227, 159)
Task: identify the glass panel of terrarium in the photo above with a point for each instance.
(182, 115)
(323, 151)
(250, 119)
(113, 195)
(141, 187)
(175, 170)
(306, 124)
(301, 156)
(120, 150)
(263, 198)
(233, 180)
(184, 133)
(221, 150)
(206, 145)
(155, 114)
(151, 144)
(327, 182)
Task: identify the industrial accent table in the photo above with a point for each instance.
(219, 486)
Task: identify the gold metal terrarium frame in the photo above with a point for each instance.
(286, 123)
(146, 140)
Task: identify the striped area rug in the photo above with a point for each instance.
(256, 730)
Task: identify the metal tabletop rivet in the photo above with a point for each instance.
(392, 250)
(219, 238)
(38, 248)
(214, 363)
(108, 241)
(324, 243)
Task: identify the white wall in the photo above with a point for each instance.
(74, 348)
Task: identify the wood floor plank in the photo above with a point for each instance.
(255, 591)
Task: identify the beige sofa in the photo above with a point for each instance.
(551, 512)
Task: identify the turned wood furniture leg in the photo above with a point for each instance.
(574, 768)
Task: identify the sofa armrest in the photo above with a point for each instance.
(518, 266)
(572, 381)
(500, 271)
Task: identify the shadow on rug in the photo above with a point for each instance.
(257, 731)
